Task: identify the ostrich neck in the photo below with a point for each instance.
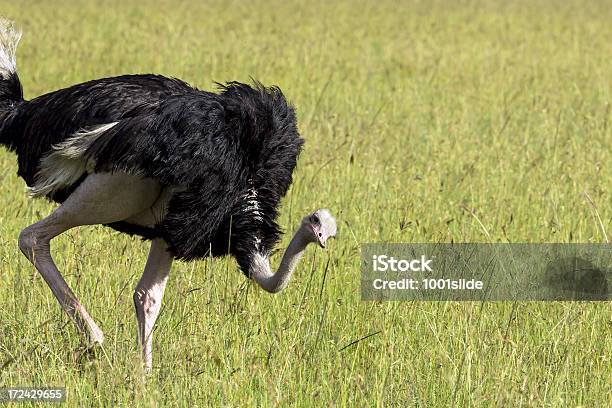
(275, 282)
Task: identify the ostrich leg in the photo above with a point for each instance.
(102, 198)
(148, 296)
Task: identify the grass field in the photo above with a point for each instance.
(424, 122)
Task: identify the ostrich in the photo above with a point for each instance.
(197, 173)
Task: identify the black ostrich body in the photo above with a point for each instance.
(231, 154)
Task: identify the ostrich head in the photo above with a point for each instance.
(317, 227)
(320, 226)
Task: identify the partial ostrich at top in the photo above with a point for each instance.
(198, 173)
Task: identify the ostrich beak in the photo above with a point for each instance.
(323, 237)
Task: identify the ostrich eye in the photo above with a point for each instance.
(315, 219)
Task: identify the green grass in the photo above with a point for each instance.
(424, 122)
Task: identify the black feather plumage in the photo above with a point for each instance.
(231, 153)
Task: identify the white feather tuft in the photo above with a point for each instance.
(66, 164)
(9, 38)
(252, 202)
